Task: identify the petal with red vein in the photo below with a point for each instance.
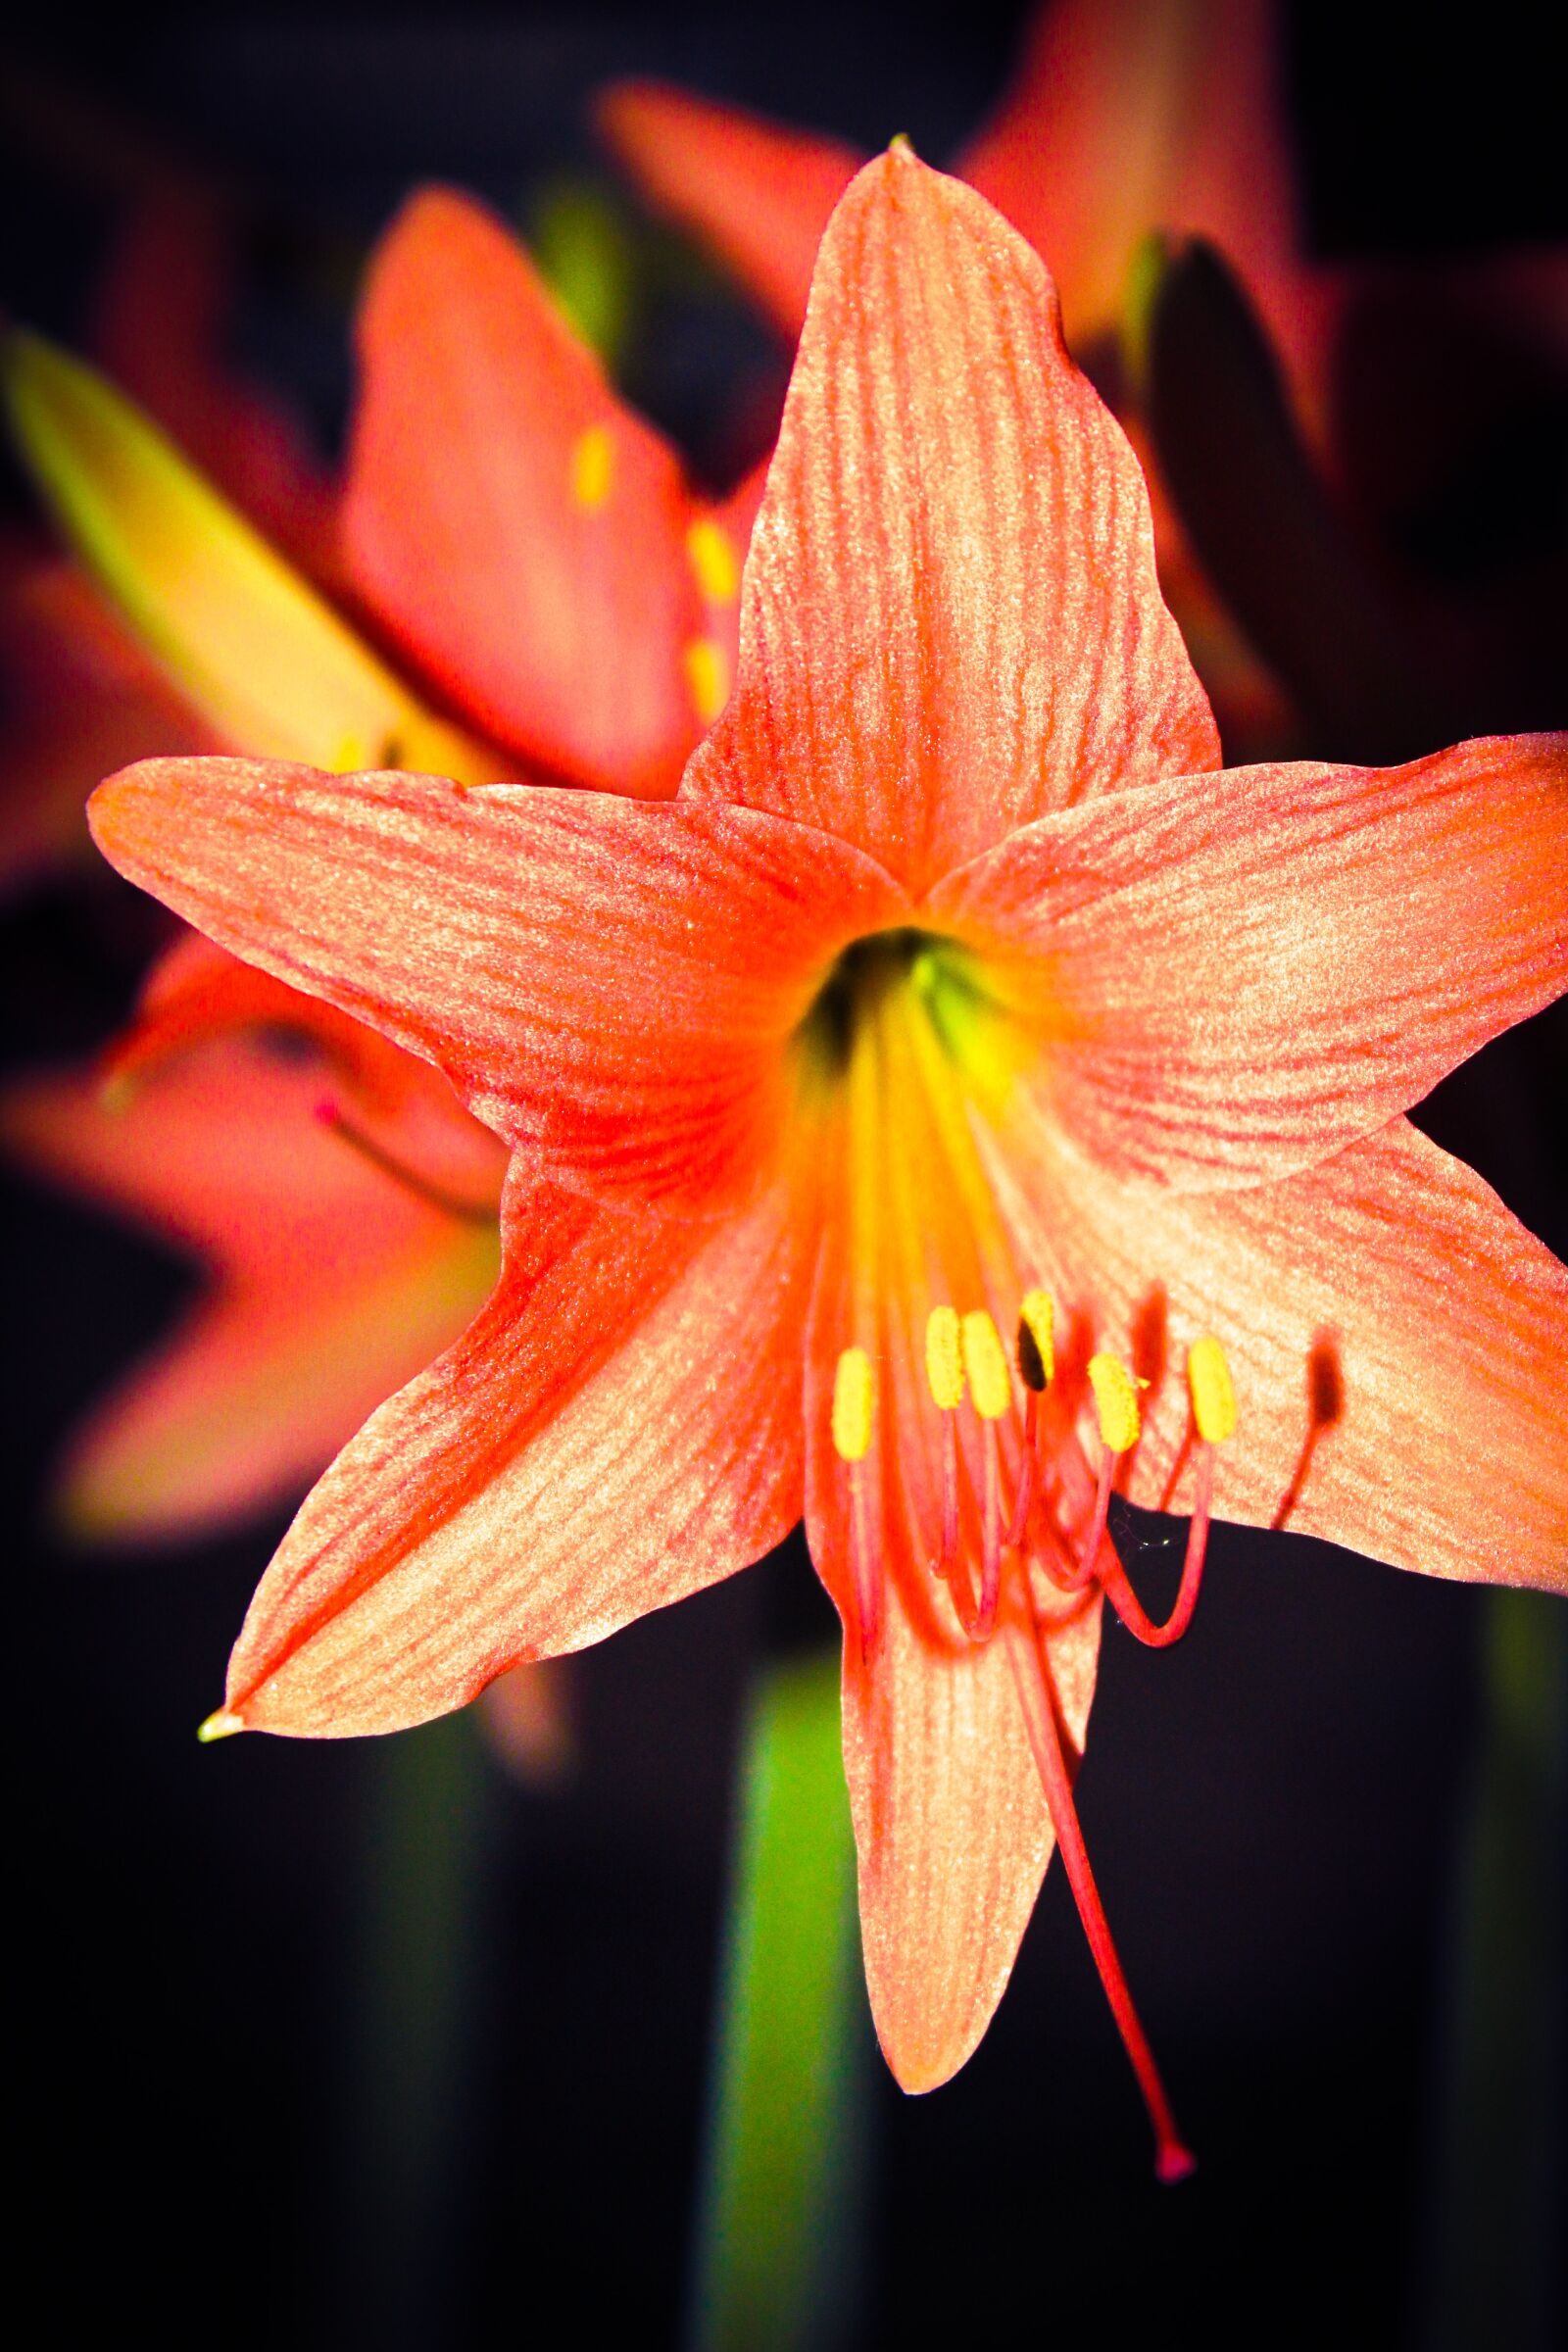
(951, 622)
(518, 529)
(1236, 976)
(758, 194)
(613, 983)
(1395, 1338)
(619, 1428)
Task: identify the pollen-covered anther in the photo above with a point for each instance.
(1115, 1402)
(854, 1404)
(710, 551)
(1034, 1350)
(593, 466)
(1037, 1355)
(1208, 1380)
(990, 1394)
(707, 668)
(990, 1387)
(943, 1374)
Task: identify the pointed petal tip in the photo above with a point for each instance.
(221, 1724)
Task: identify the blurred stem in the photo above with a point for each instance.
(783, 2177)
(413, 2026)
(1496, 2217)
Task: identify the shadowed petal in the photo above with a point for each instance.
(613, 983)
(1234, 977)
(620, 1427)
(758, 194)
(951, 622)
(332, 1284)
(520, 530)
(1395, 1337)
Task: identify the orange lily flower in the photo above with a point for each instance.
(958, 978)
(341, 1198)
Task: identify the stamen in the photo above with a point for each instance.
(1173, 2160)
(1116, 1405)
(943, 1372)
(990, 1387)
(593, 459)
(435, 1196)
(713, 559)
(1037, 1355)
(991, 1392)
(1208, 1379)
(1037, 1364)
(851, 1442)
(706, 667)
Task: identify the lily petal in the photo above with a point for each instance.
(1235, 977)
(1396, 1338)
(951, 621)
(619, 1428)
(520, 532)
(332, 1284)
(758, 194)
(611, 984)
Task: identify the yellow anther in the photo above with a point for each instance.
(221, 1725)
(712, 558)
(350, 755)
(593, 461)
(852, 1405)
(1116, 1401)
(990, 1387)
(944, 1357)
(707, 667)
(1208, 1377)
(1037, 1356)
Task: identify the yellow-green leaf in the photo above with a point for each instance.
(251, 645)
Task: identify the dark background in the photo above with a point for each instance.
(1272, 1808)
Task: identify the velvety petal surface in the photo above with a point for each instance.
(1235, 975)
(1396, 1338)
(620, 1427)
(520, 532)
(755, 192)
(611, 983)
(951, 622)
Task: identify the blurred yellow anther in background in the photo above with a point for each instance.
(1037, 1354)
(944, 1357)
(593, 462)
(852, 1405)
(707, 677)
(990, 1386)
(1116, 1401)
(713, 561)
(1208, 1377)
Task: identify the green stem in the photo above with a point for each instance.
(411, 2027)
(784, 2163)
(1495, 2217)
